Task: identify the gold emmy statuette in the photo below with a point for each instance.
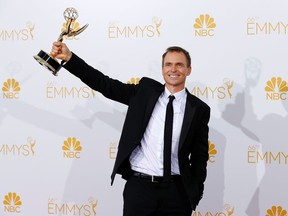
(48, 61)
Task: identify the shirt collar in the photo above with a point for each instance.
(179, 95)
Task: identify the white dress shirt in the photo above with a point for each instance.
(148, 158)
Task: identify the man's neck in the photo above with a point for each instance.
(173, 89)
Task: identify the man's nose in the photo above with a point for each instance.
(173, 68)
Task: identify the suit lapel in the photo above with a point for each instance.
(188, 115)
(190, 109)
(150, 106)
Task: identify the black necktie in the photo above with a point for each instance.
(168, 138)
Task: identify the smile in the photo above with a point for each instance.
(173, 76)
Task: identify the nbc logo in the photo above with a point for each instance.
(134, 81)
(276, 89)
(204, 25)
(12, 203)
(74, 27)
(11, 89)
(71, 148)
(212, 152)
(276, 211)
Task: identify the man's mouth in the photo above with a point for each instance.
(173, 75)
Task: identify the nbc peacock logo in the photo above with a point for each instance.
(276, 211)
(134, 81)
(276, 89)
(212, 152)
(12, 203)
(74, 27)
(204, 25)
(11, 89)
(71, 148)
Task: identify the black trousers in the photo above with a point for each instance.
(144, 198)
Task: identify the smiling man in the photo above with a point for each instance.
(176, 66)
(163, 148)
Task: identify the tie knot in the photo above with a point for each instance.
(171, 98)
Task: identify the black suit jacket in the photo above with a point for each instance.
(141, 99)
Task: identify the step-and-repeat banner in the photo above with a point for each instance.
(59, 138)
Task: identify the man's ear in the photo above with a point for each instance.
(189, 71)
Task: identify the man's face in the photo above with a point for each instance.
(175, 70)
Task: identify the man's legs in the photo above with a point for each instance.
(139, 198)
(173, 200)
(142, 198)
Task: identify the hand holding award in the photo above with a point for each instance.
(47, 60)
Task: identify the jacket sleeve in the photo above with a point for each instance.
(201, 157)
(110, 88)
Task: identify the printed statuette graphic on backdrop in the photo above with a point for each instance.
(48, 61)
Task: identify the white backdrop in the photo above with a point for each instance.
(58, 138)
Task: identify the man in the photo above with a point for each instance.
(151, 189)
